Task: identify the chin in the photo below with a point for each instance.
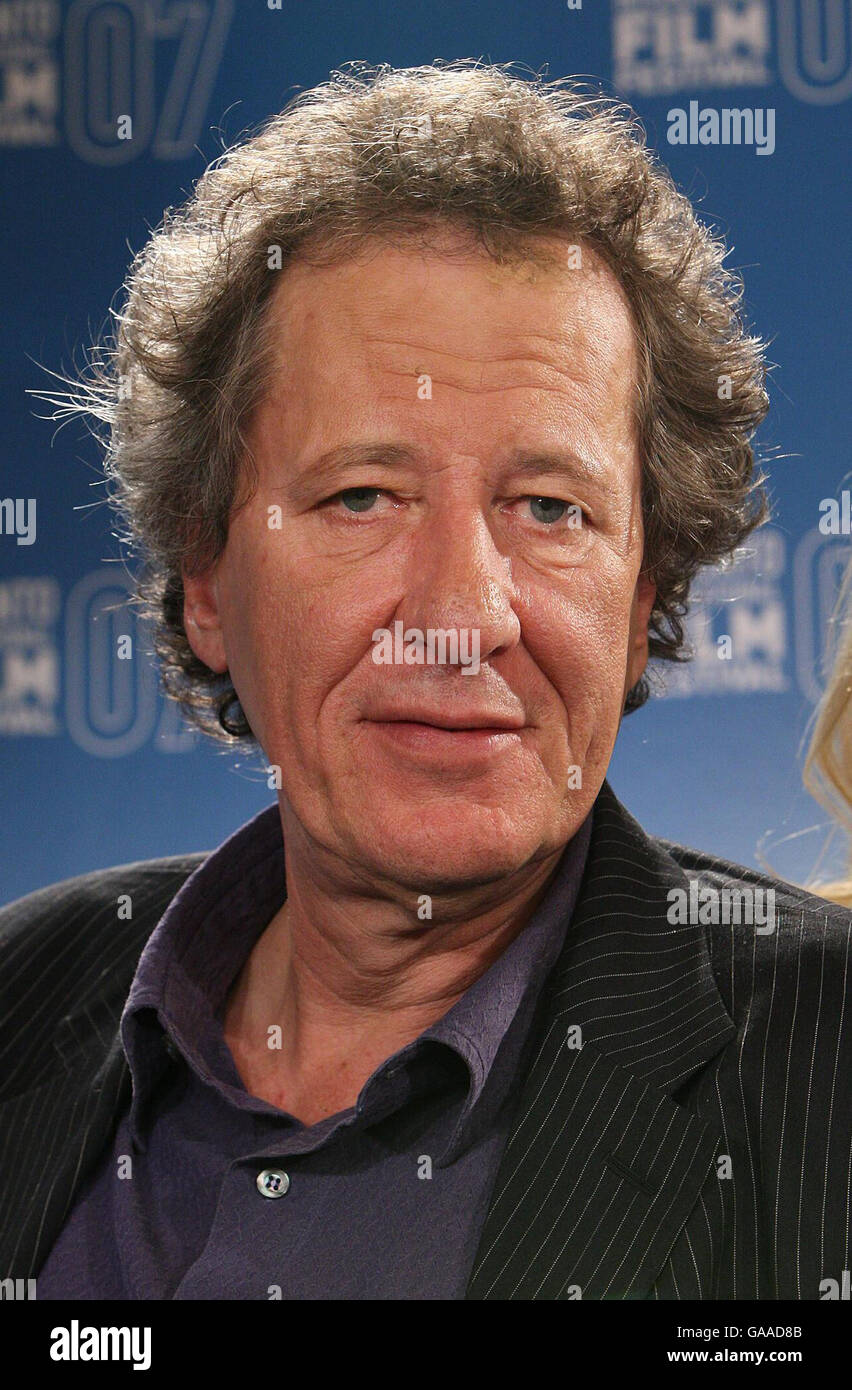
(445, 849)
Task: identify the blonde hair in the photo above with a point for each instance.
(827, 772)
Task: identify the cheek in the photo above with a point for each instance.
(257, 626)
(293, 632)
(577, 634)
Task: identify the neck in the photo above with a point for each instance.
(349, 973)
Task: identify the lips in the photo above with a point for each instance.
(460, 721)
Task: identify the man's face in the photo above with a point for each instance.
(448, 444)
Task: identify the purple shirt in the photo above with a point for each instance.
(385, 1200)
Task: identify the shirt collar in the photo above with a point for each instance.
(211, 925)
(493, 1015)
(193, 954)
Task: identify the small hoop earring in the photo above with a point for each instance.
(231, 717)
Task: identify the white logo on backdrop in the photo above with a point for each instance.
(680, 45)
(106, 63)
(29, 72)
(112, 707)
(815, 49)
(818, 568)
(744, 603)
(662, 46)
(29, 656)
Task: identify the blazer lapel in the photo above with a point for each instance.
(55, 1131)
(603, 1167)
(60, 1105)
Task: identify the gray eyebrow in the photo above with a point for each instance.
(523, 461)
(564, 461)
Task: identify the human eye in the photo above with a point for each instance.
(352, 502)
(357, 499)
(556, 512)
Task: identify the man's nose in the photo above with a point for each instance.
(459, 579)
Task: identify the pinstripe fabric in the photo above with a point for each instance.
(66, 963)
(684, 1118)
(699, 1145)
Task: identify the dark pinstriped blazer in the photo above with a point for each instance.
(697, 1145)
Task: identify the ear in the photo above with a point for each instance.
(202, 619)
(640, 616)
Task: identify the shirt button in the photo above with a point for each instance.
(272, 1183)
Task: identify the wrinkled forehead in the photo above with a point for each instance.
(547, 330)
(551, 278)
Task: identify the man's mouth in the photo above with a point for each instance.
(460, 721)
(434, 735)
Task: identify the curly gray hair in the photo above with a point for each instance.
(390, 151)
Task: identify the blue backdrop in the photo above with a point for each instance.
(96, 768)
